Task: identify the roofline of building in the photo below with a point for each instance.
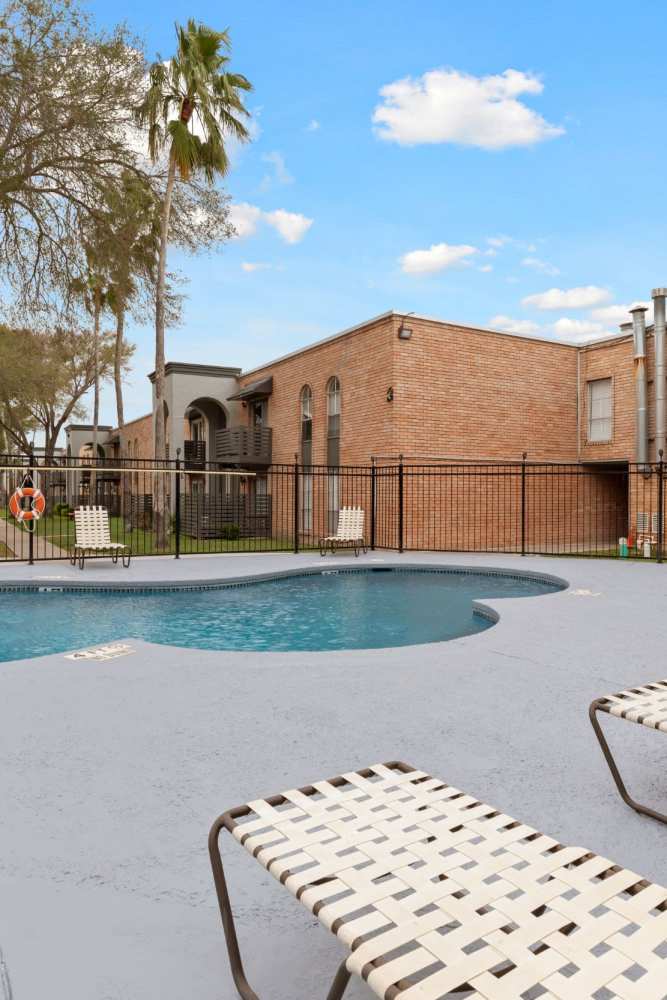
(429, 319)
(128, 423)
(87, 427)
(185, 368)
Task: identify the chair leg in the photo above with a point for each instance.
(339, 984)
(233, 950)
(615, 773)
(245, 991)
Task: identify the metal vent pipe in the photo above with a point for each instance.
(641, 382)
(658, 296)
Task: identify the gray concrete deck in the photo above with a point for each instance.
(112, 772)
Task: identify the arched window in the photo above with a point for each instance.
(333, 421)
(333, 450)
(307, 425)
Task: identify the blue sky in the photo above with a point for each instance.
(523, 153)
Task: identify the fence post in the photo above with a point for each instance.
(373, 501)
(400, 503)
(296, 504)
(523, 503)
(177, 506)
(658, 553)
(33, 524)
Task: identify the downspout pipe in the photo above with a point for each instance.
(641, 383)
(658, 296)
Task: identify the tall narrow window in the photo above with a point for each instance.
(307, 458)
(600, 409)
(333, 450)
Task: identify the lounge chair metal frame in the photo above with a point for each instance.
(433, 892)
(93, 538)
(645, 705)
(349, 532)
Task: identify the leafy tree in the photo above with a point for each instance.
(191, 105)
(44, 376)
(66, 92)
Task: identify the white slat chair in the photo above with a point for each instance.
(349, 532)
(647, 706)
(434, 894)
(93, 537)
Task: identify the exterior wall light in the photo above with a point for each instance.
(404, 332)
(390, 394)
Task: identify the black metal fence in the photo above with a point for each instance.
(174, 507)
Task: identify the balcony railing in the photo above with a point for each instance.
(194, 454)
(245, 446)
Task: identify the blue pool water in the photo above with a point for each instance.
(353, 610)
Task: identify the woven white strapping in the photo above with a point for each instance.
(445, 890)
(92, 529)
(350, 525)
(646, 705)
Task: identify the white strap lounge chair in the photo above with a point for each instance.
(93, 537)
(350, 532)
(431, 893)
(646, 705)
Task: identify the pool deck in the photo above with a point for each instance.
(113, 771)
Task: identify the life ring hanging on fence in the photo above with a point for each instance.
(37, 503)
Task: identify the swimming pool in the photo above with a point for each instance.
(324, 610)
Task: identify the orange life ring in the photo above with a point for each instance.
(37, 503)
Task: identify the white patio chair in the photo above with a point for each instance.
(646, 705)
(431, 893)
(93, 537)
(350, 532)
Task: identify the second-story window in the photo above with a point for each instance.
(600, 409)
(333, 421)
(333, 452)
(306, 425)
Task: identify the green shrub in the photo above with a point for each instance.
(61, 509)
(230, 532)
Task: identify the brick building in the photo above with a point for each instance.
(423, 389)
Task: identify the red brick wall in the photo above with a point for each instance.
(457, 392)
(137, 438)
(468, 393)
(362, 360)
(611, 360)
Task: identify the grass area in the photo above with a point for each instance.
(59, 530)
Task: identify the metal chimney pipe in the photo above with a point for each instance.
(641, 382)
(658, 296)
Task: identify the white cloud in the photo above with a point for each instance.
(438, 257)
(244, 218)
(578, 329)
(571, 298)
(497, 241)
(313, 125)
(509, 325)
(280, 172)
(620, 313)
(486, 268)
(290, 225)
(257, 265)
(543, 266)
(445, 105)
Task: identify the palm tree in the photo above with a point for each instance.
(193, 103)
(93, 290)
(132, 253)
